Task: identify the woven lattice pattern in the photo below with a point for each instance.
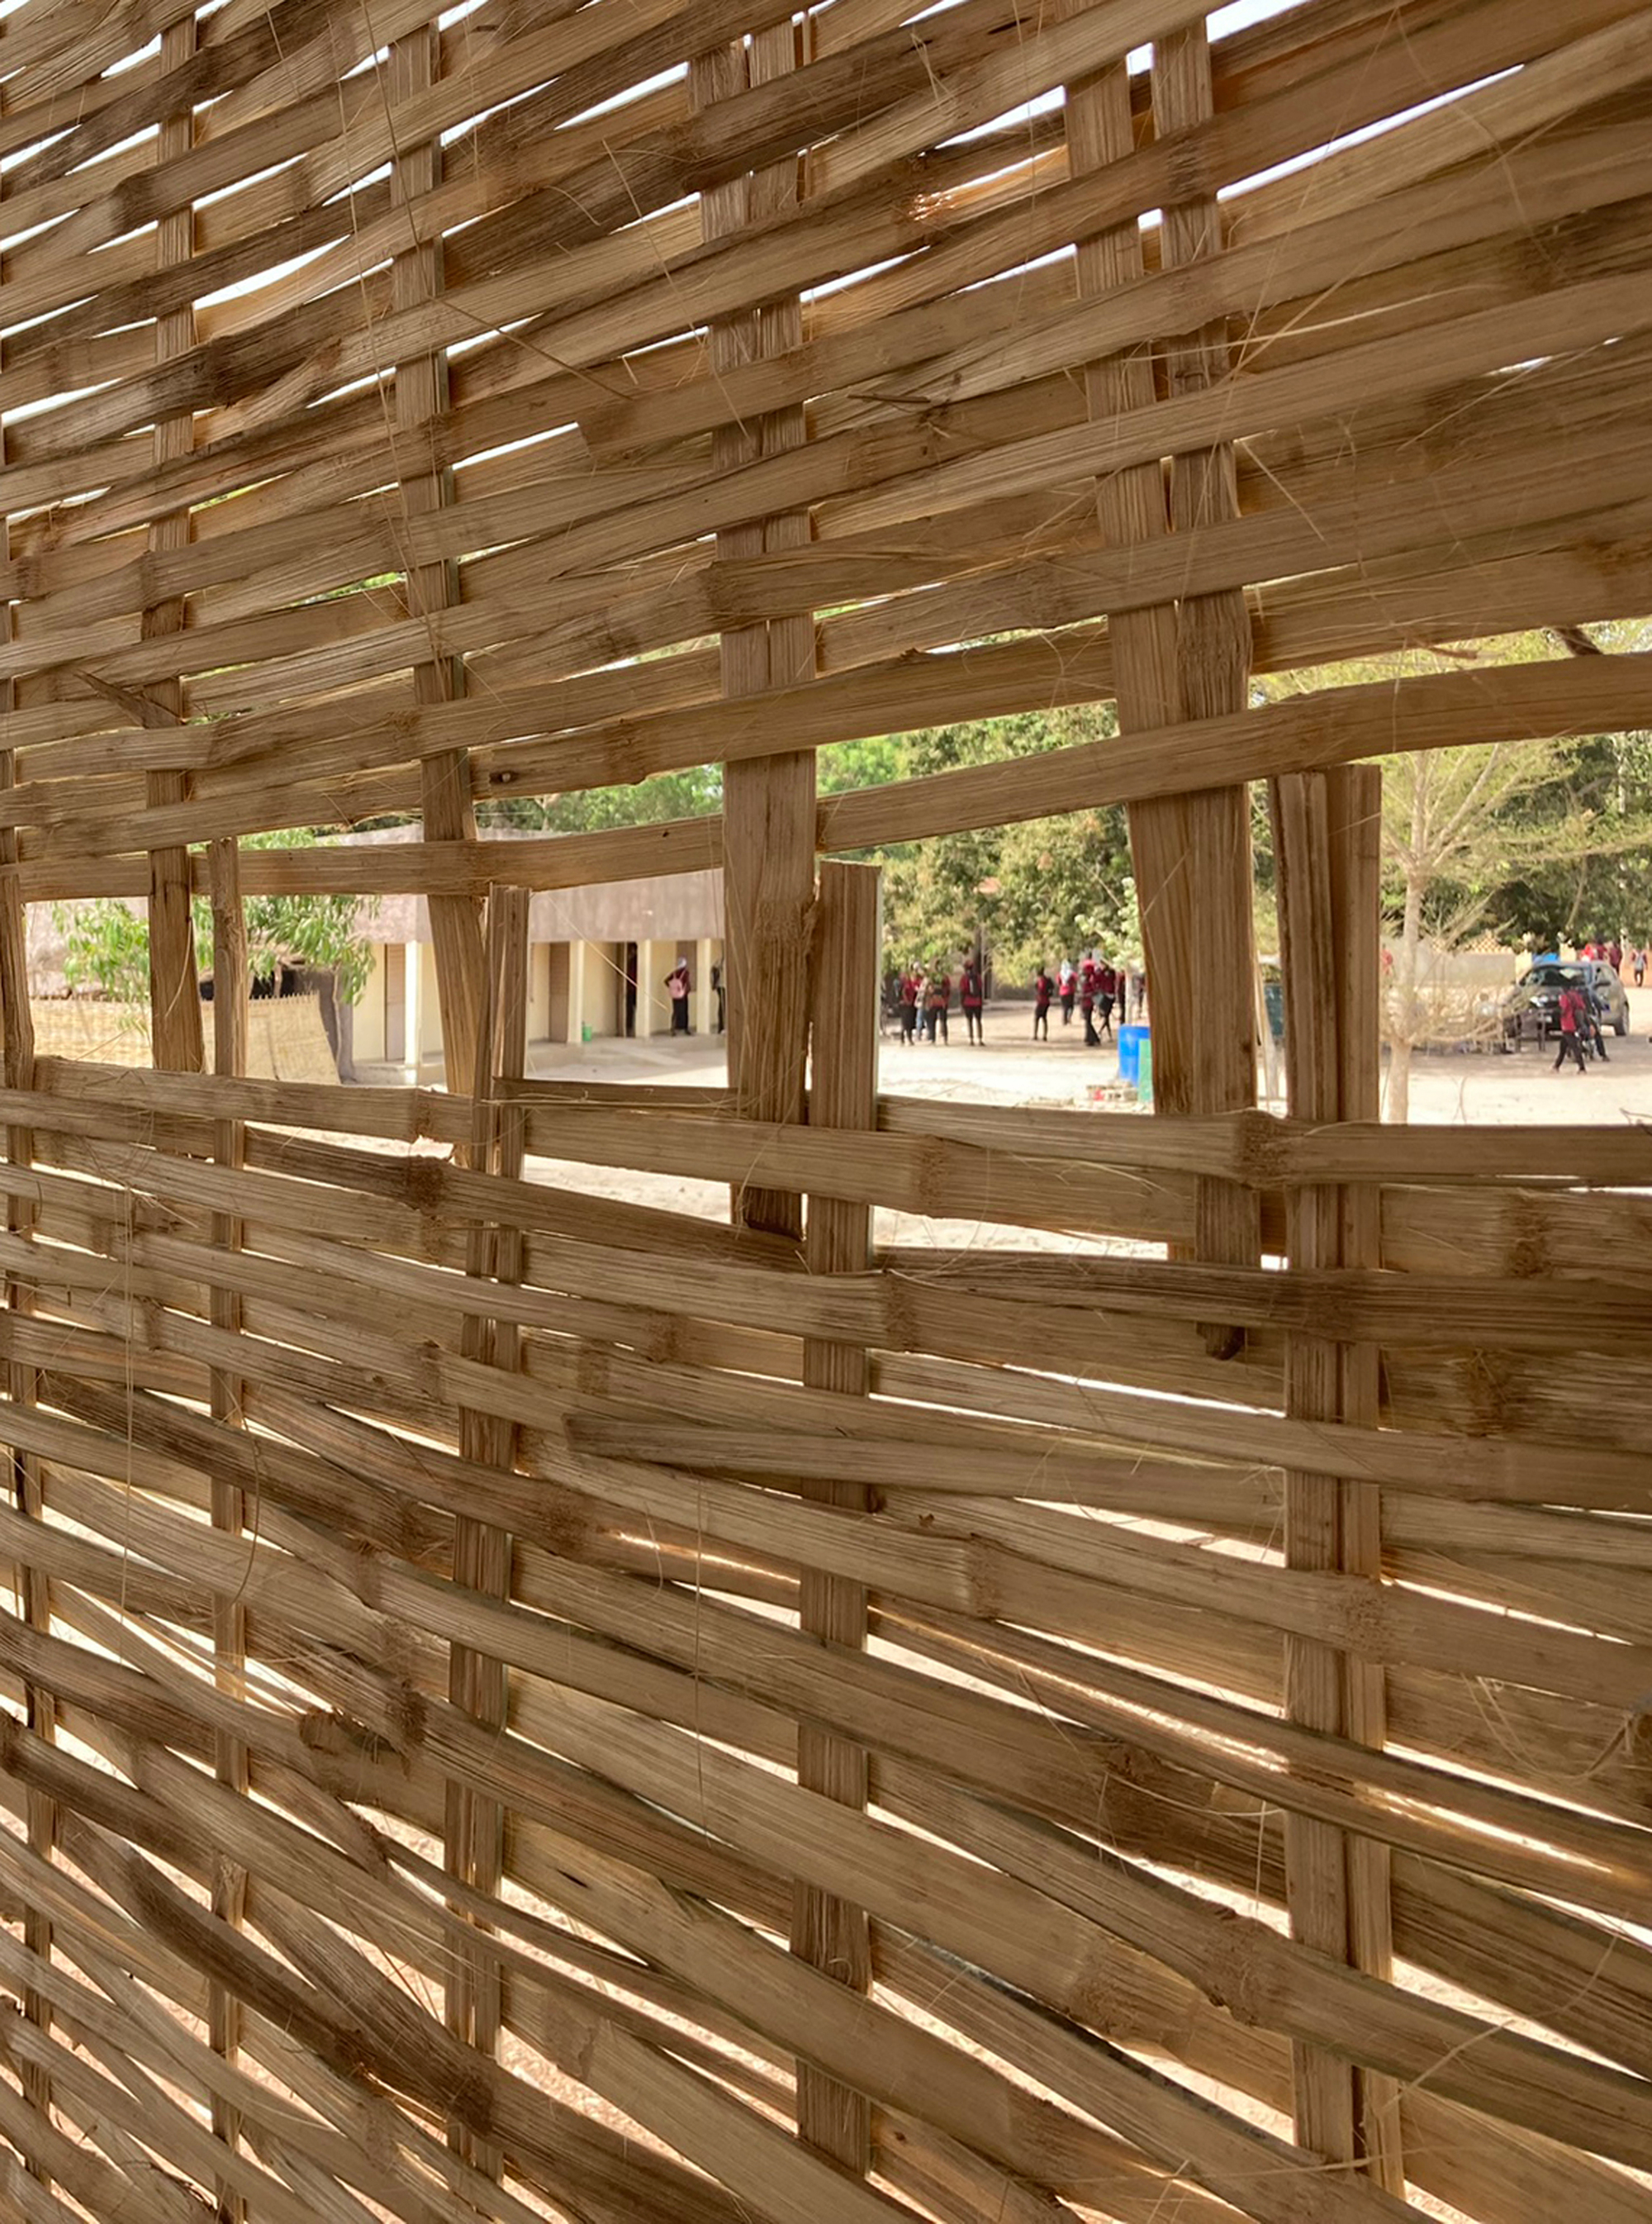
(520, 1704)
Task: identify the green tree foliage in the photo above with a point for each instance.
(108, 941)
(1042, 890)
(1039, 890)
(1539, 840)
(692, 794)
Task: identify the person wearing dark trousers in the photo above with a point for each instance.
(973, 996)
(1043, 991)
(1087, 976)
(911, 985)
(1593, 1038)
(721, 992)
(1571, 1017)
(937, 1001)
(676, 988)
(1069, 991)
(1106, 994)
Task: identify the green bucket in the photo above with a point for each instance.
(587, 1032)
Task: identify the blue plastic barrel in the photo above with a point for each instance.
(1131, 1039)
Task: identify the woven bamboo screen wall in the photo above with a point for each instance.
(518, 1703)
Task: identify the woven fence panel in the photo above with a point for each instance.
(518, 1703)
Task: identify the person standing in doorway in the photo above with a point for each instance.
(972, 994)
(719, 991)
(676, 988)
(937, 1000)
(1043, 991)
(1069, 991)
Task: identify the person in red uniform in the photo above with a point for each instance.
(1572, 1022)
(1088, 975)
(1106, 994)
(1044, 992)
(911, 985)
(972, 994)
(938, 998)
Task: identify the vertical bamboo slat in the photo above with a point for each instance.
(482, 1548)
(829, 1932)
(1336, 1885)
(1192, 853)
(1355, 804)
(231, 989)
(768, 803)
(1205, 878)
(426, 485)
(1315, 1868)
(174, 993)
(31, 1590)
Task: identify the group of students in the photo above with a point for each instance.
(923, 1000)
(1096, 986)
(1614, 953)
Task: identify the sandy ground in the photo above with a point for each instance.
(1482, 1087)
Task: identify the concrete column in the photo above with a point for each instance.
(412, 1013)
(580, 971)
(540, 966)
(704, 1019)
(371, 1040)
(654, 961)
(429, 1037)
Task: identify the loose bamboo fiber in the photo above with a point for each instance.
(514, 1703)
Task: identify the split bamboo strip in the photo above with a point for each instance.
(31, 1597)
(175, 999)
(827, 1932)
(1326, 845)
(481, 1550)
(231, 990)
(769, 802)
(421, 393)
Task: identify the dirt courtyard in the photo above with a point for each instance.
(1482, 1087)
